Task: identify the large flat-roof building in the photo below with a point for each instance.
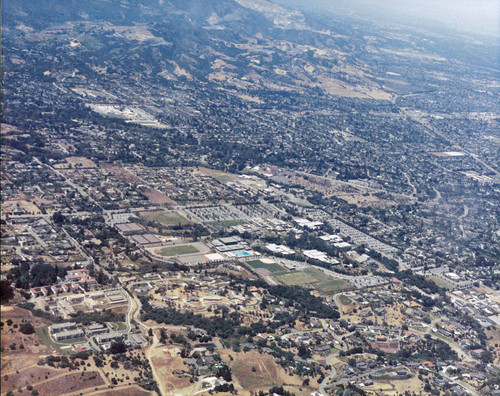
(68, 334)
(59, 327)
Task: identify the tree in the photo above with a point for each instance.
(58, 218)
(26, 328)
(225, 373)
(6, 291)
(117, 347)
(303, 351)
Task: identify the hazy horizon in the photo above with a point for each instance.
(467, 16)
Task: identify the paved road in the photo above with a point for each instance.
(463, 386)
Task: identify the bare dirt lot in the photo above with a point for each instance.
(123, 391)
(123, 174)
(18, 358)
(29, 207)
(254, 371)
(157, 197)
(388, 387)
(7, 128)
(165, 361)
(70, 382)
(28, 376)
(76, 162)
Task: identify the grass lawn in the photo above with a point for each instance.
(223, 177)
(316, 274)
(178, 250)
(117, 326)
(332, 286)
(344, 300)
(274, 268)
(297, 278)
(168, 218)
(442, 283)
(43, 333)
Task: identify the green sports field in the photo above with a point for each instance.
(167, 218)
(177, 250)
(274, 268)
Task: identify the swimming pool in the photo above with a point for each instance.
(242, 254)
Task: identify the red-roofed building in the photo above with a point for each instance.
(429, 364)
(89, 281)
(34, 293)
(44, 290)
(76, 275)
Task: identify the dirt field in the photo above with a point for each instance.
(388, 387)
(19, 359)
(70, 382)
(495, 335)
(157, 197)
(221, 176)
(29, 376)
(7, 128)
(76, 162)
(123, 174)
(266, 375)
(123, 391)
(165, 363)
(393, 316)
(26, 205)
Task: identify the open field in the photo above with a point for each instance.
(392, 387)
(168, 218)
(76, 162)
(70, 382)
(164, 362)
(298, 278)
(344, 300)
(157, 197)
(177, 250)
(28, 376)
(318, 275)
(133, 390)
(332, 286)
(29, 207)
(495, 336)
(20, 358)
(442, 283)
(273, 268)
(221, 176)
(123, 174)
(267, 373)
